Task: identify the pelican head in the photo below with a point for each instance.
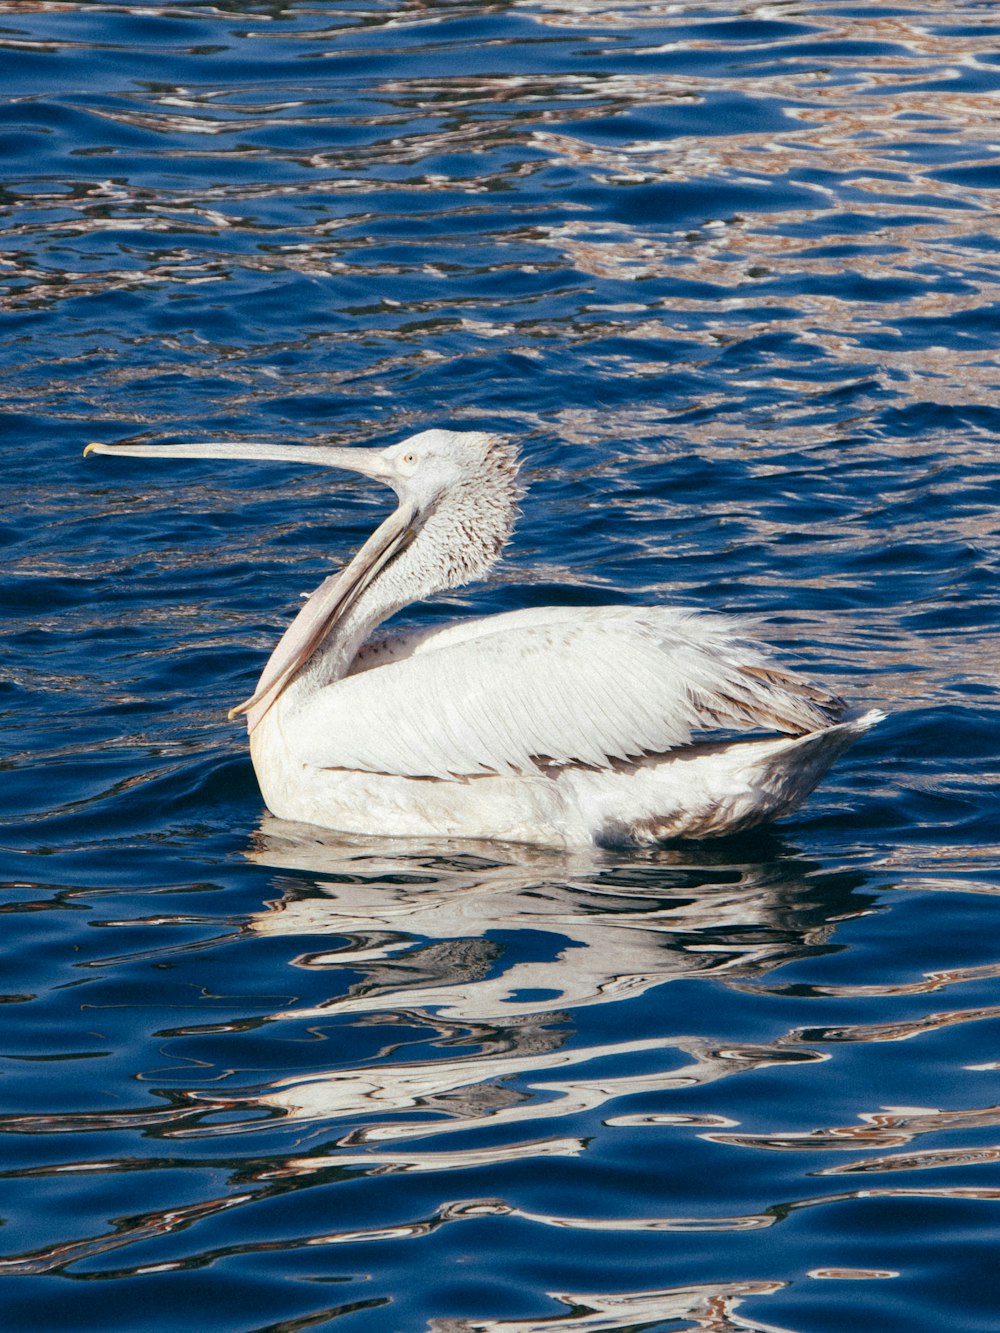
(463, 489)
(458, 494)
(436, 463)
(423, 470)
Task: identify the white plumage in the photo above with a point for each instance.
(554, 725)
(543, 688)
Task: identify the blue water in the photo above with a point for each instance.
(731, 275)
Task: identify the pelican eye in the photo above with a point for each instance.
(409, 458)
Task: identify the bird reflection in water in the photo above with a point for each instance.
(499, 954)
(497, 959)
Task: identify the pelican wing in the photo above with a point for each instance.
(551, 686)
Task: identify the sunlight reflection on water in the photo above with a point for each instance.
(731, 276)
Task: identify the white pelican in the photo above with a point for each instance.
(559, 726)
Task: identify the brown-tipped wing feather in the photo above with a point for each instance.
(773, 699)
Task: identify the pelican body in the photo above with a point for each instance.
(558, 726)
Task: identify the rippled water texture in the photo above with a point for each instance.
(732, 277)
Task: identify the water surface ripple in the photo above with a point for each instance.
(731, 274)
